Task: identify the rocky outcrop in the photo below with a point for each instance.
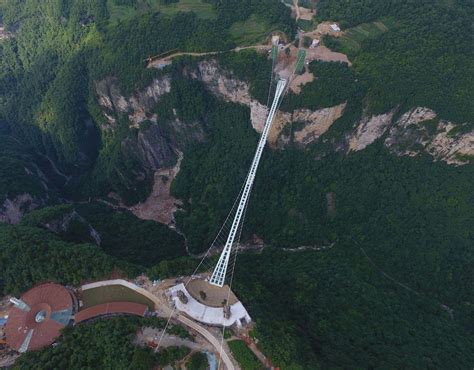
(137, 107)
(68, 223)
(309, 125)
(12, 210)
(418, 130)
(224, 85)
(153, 147)
(421, 130)
(368, 130)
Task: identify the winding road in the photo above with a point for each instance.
(166, 311)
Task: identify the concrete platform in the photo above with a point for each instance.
(205, 313)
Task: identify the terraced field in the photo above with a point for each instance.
(249, 32)
(350, 42)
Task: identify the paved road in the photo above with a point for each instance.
(209, 337)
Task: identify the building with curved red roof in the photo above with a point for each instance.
(112, 308)
(38, 316)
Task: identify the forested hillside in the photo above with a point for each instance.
(383, 276)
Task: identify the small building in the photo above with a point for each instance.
(314, 43)
(335, 27)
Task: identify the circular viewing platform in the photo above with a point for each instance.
(208, 303)
(211, 295)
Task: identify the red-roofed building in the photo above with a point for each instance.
(112, 308)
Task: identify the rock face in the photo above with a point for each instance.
(71, 221)
(159, 146)
(137, 106)
(368, 130)
(310, 124)
(12, 210)
(421, 130)
(223, 85)
(153, 147)
(418, 130)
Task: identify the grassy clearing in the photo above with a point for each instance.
(350, 42)
(244, 356)
(306, 25)
(251, 31)
(203, 10)
(113, 293)
(122, 12)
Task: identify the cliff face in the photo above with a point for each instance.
(416, 131)
(223, 85)
(158, 147)
(13, 209)
(421, 130)
(69, 223)
(137, 106)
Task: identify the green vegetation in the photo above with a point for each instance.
(17, 173)
(397, 285)
(121, 11)
(351, 42)
(198, 361)
(334, 84)
(320, 309)
(125, 236)
(29, 256)
(251, 67)
(419, 62)
(45, 215)
(60, 52)
(180, 332)
(121, 233)
(172, 268)
(113, 293)
(169, 355)
(250, 31)
(244, 356)
(208, 165)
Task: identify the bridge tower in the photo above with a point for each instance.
(219, 273)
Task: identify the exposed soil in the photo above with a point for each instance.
(160, 206)
(215, 296)
(323, 53)
(301, 80)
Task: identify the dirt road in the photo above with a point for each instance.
(165, 60)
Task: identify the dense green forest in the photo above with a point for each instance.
(60, 51)
(393, 287)
(336, 310)
(30, 255)
(421, 61)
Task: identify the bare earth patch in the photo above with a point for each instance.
(323, 53)
(160, 206)
(301, 80)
